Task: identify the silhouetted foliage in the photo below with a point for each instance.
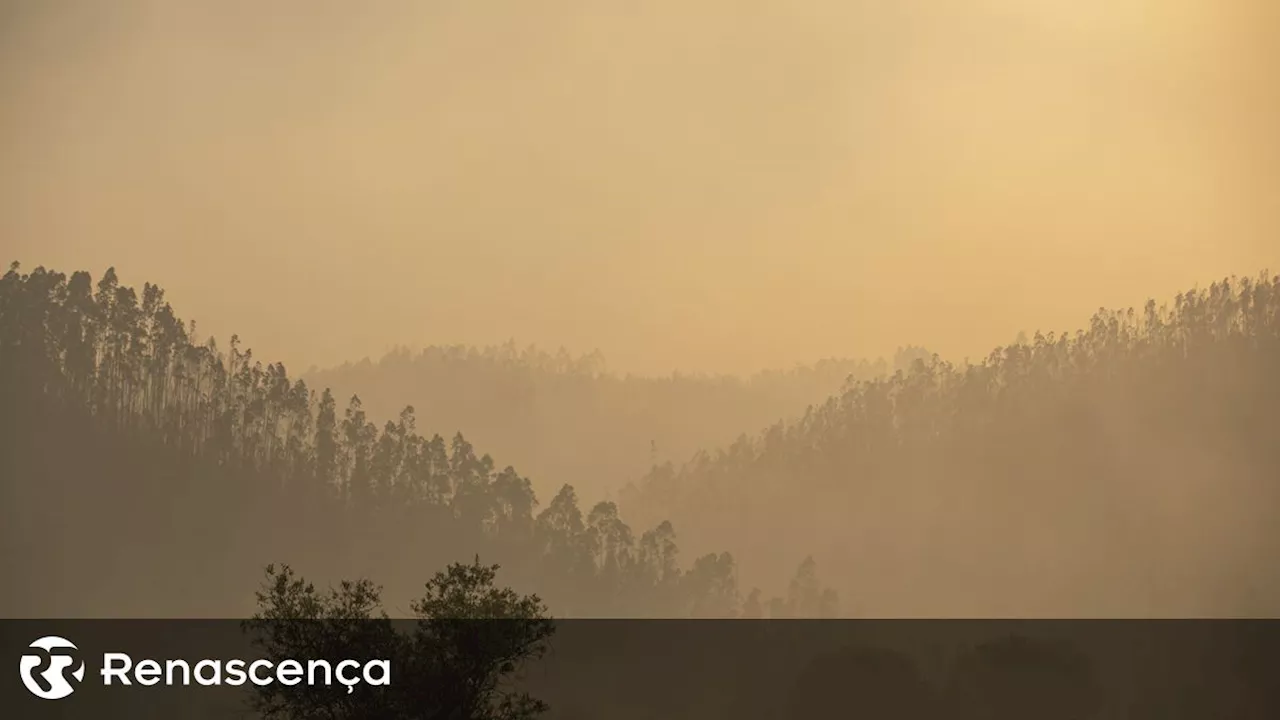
(296, 622)
(470, 636)
(1073, 473)
(228, 461)
(570, 418)
(1069, 474)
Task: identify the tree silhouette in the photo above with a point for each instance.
(189, 437)
(223, 461)
(1065, 441)
(471, 635)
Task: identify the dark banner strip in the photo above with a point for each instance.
(586, 669)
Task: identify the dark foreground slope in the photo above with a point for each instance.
(1131, 468)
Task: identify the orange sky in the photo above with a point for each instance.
(717, 186)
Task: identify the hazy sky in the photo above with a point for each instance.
(719, 185)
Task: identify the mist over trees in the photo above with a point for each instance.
(566, 419)
(147, 473)
(1125, 469)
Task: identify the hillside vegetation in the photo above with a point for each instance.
(146, 473)
(565, 419)
(1131, 468)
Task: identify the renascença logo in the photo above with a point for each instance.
(55, 676)
(118, 667)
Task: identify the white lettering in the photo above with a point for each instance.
(147, 672)
(171, 666)
(253, 674)
(108, 672)
(116, 669)
(321, 665)
(349, 682)
(289, 672)
(235, 672)
(213, 665)
(384, 666)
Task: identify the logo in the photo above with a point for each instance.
(45, 673)
(54, 677)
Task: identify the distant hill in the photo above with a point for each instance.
(1129, 468)
(566, 419)
(144, 472)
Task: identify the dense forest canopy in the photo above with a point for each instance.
(1124, 469)
(1130, 468)
(112, 409)
(567, 419)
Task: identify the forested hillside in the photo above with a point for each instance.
(1131, 468)
(1127, 469)
(566, 419)
(146, 473)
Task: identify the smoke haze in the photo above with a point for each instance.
(712, 186)
(785, 227)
